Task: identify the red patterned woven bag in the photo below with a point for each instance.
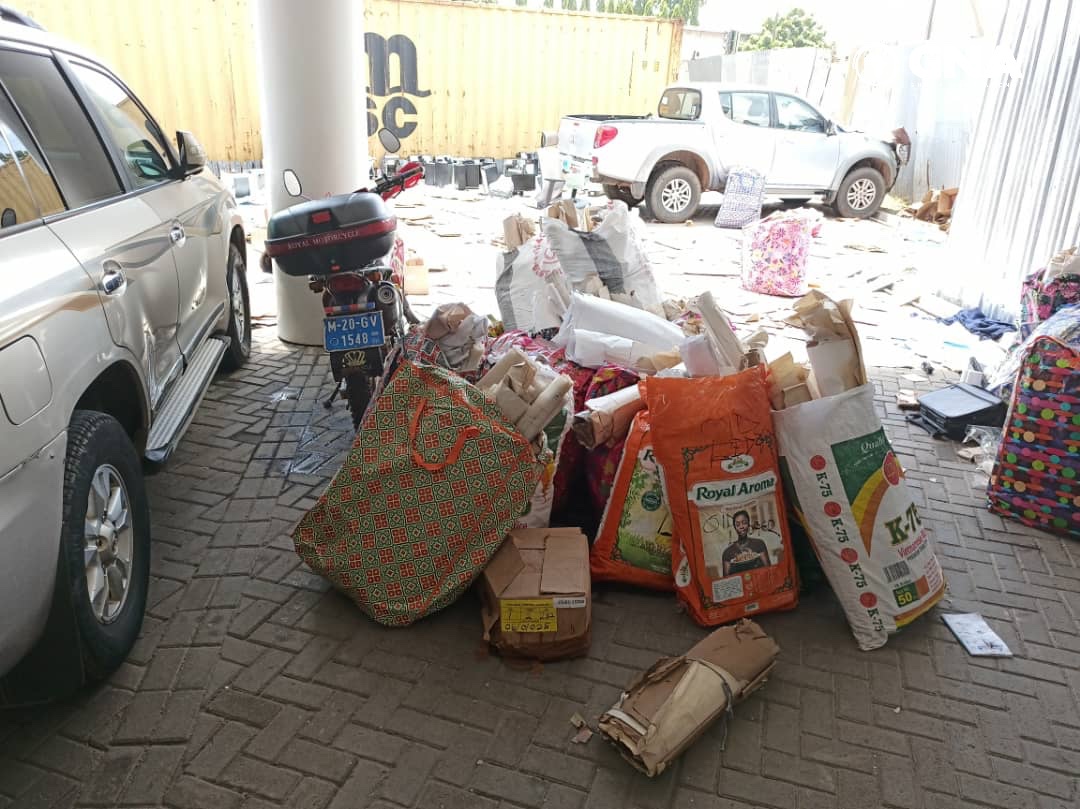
(432, 485)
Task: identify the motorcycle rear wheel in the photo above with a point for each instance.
(357, 396)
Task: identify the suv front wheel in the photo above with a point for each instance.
(105, 538)
(861, 193)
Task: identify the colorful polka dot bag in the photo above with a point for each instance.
(1037, 475)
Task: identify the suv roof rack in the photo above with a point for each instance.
(8, 14)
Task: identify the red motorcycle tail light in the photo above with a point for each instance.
(340, 284)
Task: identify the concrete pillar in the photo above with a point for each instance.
(312, 75)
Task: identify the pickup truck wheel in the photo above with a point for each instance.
(239, 312)
(105, 538)
(861, 193)
(673, 194)
(622, 194)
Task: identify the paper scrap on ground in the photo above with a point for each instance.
(976, 635)
(582, 736)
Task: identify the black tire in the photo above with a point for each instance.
(97, 442)
(357, 396)
(622, 194)
(852, 199)
(239, 330)
(682, 190)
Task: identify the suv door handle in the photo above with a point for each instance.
(177, 235)
(113, 281)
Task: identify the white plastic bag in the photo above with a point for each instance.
(531, 287)
(845, 481)
(595, 331)
(612, 253)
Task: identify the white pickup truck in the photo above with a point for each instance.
(702, 129)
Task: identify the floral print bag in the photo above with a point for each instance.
(774, 253)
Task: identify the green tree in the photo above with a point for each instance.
(522, 2)
(796, 29)
(685, 10)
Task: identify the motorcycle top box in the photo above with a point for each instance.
(335, 234)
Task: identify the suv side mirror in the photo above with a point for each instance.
(830, 127)
(192, 154)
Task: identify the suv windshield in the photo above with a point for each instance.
(680, 104)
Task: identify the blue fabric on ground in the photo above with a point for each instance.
(983, 327)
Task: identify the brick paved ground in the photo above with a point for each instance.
(254, 687)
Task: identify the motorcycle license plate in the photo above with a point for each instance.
(349, 332)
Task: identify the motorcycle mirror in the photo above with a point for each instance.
(292, 183)
(389, 141)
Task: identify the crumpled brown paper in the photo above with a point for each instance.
(669, 706)
(834, 349)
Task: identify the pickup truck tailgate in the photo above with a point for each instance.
(576, 137)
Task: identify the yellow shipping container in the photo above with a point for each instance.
(448, 77)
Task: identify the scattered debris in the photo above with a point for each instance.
(936, 207)
(935, 306)
(978, 638)
(582, 736)
(906, 399)
(968, 453)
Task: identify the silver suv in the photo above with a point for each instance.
(122, 288)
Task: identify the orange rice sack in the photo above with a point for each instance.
(731, 550)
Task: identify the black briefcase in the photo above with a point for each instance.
(950, 411)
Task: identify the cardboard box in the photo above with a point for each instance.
(669, 706)
(565, 211)
(535, 594)
(517, 230)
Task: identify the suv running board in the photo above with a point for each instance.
(175, 415)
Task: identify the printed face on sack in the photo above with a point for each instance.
(737, 541)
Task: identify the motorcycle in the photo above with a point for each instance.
(341, 243)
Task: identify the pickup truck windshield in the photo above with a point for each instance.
(680, 104)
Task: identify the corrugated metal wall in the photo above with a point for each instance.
(458, 78)
(1020, 200)
(803, 71)
(938, 110)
